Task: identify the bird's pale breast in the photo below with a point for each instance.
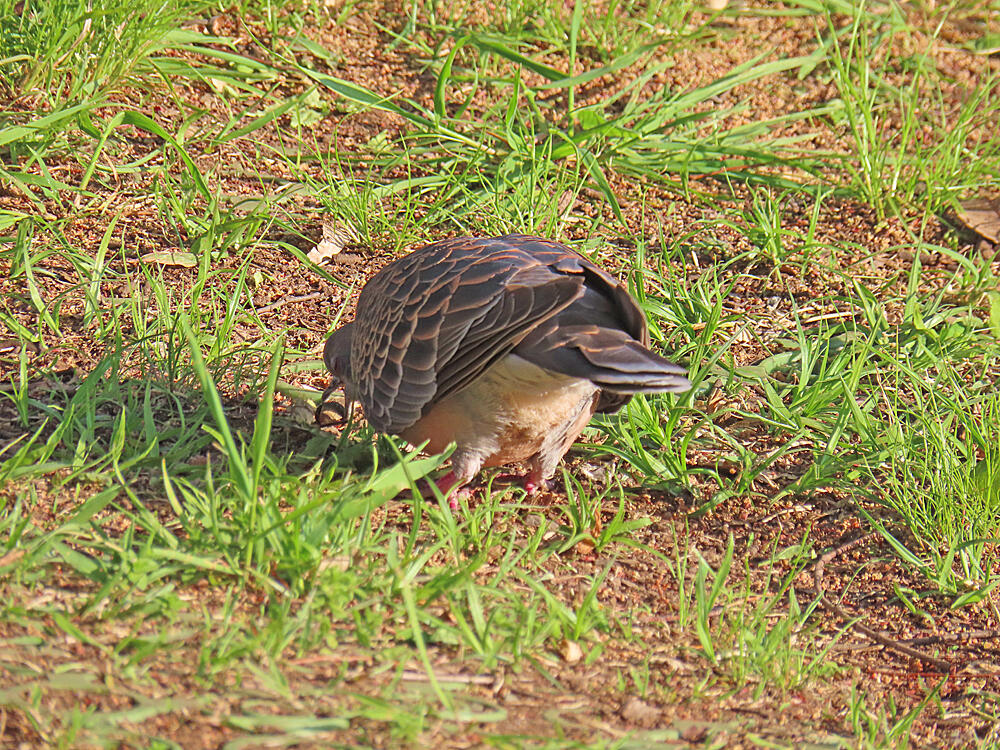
(507, 414)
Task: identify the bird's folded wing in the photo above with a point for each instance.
(435, 324)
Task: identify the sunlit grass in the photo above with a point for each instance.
(63, 51)
(168, 508)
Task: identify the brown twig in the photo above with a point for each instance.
(929, 640)
(288, 301)
(941, 665)
(972, 635)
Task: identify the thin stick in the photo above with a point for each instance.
(941, 665)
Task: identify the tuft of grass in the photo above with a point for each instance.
(941, 474)
(759, 639)
(598, 34)
(520, 140)
(69, 51)
(885, 726)
(933, 156)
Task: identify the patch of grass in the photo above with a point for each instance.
(759, 639)
(918, 422)
(521, 141)
(67, 51)
(942, 475)
(934, 155)
(591, 34)
(884, 726)
(305, 539)
(688, 318)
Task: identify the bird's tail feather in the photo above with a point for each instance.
(609, 358)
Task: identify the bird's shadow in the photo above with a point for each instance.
(92, 426)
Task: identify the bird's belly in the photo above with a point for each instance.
(507, 413)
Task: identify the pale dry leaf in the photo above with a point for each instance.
(168, 258)
(11, 557)
(566, 200)
(218, 24)
(337, 562)
(640, 713)
(585, 546)
(982, 216)
(303, 413)
(336, 236)
(676, 664)
(600, 473)
(570, 651)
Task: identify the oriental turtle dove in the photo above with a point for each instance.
(505, 346)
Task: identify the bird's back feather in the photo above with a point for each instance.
(434, 321)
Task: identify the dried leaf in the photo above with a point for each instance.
(982, 215)
(337, 562)
(335, 238)
(570, 651)
(303, 414)
(640, 713)
(11, 557)
(222, 87)
(168, 258)
(585, 546)
(566, 200)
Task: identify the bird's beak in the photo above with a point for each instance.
(342, 411)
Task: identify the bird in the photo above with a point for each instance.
(505, 346)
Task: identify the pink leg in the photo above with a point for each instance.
(449, 482)
(445, 484)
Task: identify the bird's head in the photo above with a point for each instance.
(337, 353)
(337, 357)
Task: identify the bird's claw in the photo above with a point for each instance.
(530, 482)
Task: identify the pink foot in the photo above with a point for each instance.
(531, 486)
(445, 484)
(530, 482)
